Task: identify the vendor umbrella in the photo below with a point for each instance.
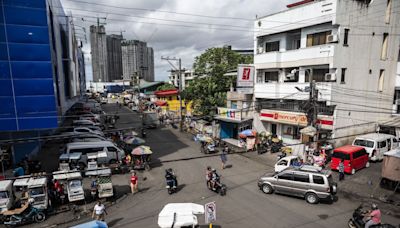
(141, 150)
(247, 133)
(134, 140)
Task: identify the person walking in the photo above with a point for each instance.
(134, 183)
(223, 156)
(99, 210)
(341, 170)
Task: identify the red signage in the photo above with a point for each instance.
(294, 118)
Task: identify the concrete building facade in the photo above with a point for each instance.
(114, 57)
(138, 59)
(98, 43)
(187, 76)
(348, 47)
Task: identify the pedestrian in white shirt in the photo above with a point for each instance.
(99, 210)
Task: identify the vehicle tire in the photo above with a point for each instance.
(312, 198)
(367, 165)
(351, 224)
(40, 217)
(147, 167)
(353, 171)
(267, 188)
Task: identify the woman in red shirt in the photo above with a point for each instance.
(134, 183)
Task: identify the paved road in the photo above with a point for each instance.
(243, 206)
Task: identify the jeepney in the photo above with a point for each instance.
(37, 190)
(73, 181)
(6, 195)
(70, 161)
(103, 181)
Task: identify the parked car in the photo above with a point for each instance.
(82, 130)
(88, 138)
(355, 158)
(286, 162)
(312, 183)
(110, 150)
(94, 117)
(376, 144)
(85, 122)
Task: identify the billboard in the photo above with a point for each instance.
(245, 76)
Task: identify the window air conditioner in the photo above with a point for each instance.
(330, 77)
(332, 38)
(260, 50)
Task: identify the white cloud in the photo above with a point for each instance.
(178, 41)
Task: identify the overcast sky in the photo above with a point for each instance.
(171, 27)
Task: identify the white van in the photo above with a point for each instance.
(376, 144)
(114, 153)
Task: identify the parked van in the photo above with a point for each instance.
(112, 152)
(376, 144)
(355, 158)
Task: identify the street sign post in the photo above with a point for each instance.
(210, 210)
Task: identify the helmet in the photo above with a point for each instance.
(208, 167)
(214, 170)
(374, 206)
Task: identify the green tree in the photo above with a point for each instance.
(208, 89)
(166, 86)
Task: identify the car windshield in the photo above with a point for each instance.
(341, 155)
(36, 191)
(75, 184)
(364, 143)
(3, 195)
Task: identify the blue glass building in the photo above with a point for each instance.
(41, 67)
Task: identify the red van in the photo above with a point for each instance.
(355, 158)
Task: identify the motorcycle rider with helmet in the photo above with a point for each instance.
(373, 217)
(214, 179)
(170, 177)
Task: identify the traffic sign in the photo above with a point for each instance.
(210, 212)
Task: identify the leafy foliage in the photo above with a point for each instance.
(208, 89)
(166, 86)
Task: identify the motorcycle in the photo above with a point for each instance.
(172, 182)
(357, 220)
(24, 215)
(219, 187)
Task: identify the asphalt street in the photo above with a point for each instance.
(243, 206)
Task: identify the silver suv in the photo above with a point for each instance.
(312, 183)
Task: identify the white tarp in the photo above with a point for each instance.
(179, 214)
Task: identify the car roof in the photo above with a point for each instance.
(310, 169)
(88, 144)
(375, 136)
(348, 149)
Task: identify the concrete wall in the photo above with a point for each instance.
(98, 43)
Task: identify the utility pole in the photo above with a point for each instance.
(179, 69)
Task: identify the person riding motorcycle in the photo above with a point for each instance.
(208, 176)
(170, 177)
(373, 217)
(214, 179)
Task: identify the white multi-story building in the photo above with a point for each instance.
(349, 47)
(187, 76)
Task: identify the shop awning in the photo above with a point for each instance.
(310, 131)
(160, 103)
(229, 120)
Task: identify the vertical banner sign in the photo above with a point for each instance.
(210, 212)
(245, 76)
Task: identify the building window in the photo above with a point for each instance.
(272, 46)
(384, 46)
(318, 75)
(271, 76)
(343, 76)
(346, 37)
(290, 132)
(260, 78)
(317, 38)
(381, 80)
(388, 11)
